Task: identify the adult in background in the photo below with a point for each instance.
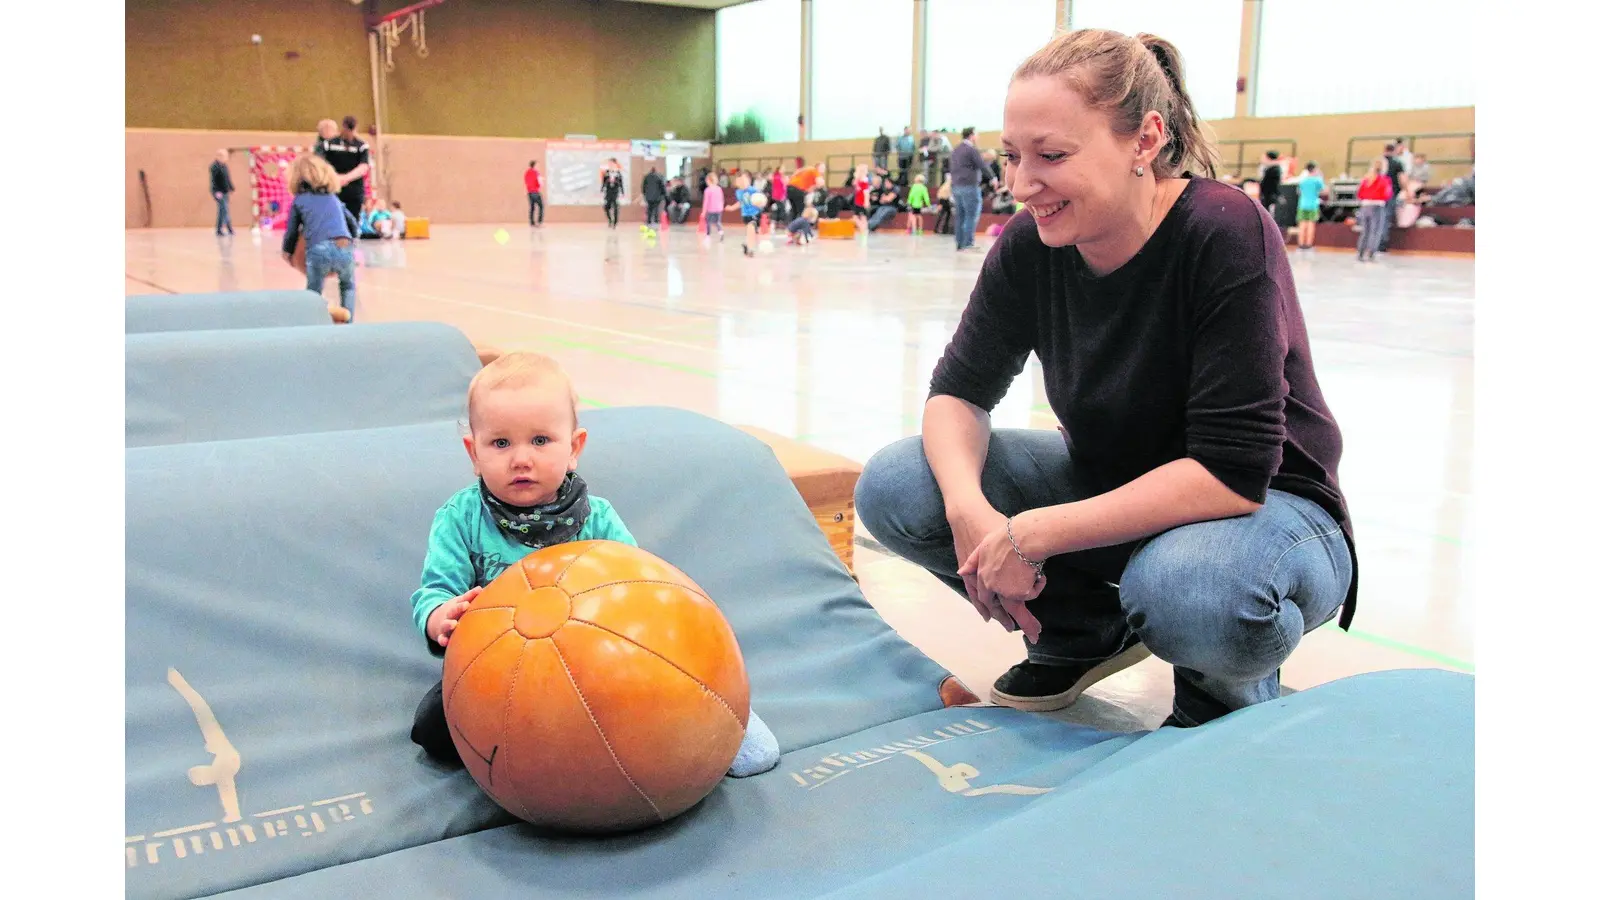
(968, 174)
(1271, 180)
(885, 199)
(533, 181)
(351, 161)
(677, 202)
(804, 181)
(880, 150)
(1190, 506)
(611, 190)
(905, 147)
(1417, 177)
(939, 145)
(1395, 168)
(221, 187)
(655, 192)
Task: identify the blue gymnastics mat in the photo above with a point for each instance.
(235, 309)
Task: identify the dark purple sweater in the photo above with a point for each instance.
(1195, 348)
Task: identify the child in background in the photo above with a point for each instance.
(804, 227)
(917, 201)
(941, 225)
(377, 223)
(328, 228)
(711, 206)
(399, 221)
(861, 198)
(750, 212)
(1309, 209)
(524, 442)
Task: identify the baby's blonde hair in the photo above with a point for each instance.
(312, 173)
(520, 370)
(810, 214)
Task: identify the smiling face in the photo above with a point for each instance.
(1064, 162)
(524, 440)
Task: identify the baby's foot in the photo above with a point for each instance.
(758, 753)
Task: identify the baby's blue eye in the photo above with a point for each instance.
(540, 441)
(500, 443)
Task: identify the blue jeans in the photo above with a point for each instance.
(879, 216)
(330, 257)
(969, 202)
(1225, 602)
(222, 214)
(1371, 219)
(1390, 207)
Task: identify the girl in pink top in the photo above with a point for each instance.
(711, 206)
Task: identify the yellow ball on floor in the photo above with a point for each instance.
(502, 237)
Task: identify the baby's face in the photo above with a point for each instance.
(524, 442)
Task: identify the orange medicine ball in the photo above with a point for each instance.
(595, 687)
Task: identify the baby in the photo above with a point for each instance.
(524, 442)
(804, 227)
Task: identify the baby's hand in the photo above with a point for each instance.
(442, 621)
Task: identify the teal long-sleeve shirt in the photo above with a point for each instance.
(467, 550)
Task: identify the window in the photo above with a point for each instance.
(758, 71)
(1206, 33)
(971, 54)
(861, 68)
(1312, 63)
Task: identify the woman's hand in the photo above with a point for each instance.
(1004, 582)
(970, 526)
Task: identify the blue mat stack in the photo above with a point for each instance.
(281, 481)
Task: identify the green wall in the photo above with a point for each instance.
(498, 68)
(190, 64)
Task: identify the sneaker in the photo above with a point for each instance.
(1036, 687)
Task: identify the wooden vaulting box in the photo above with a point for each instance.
(826, 482)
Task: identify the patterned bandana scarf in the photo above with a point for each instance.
(538, 527)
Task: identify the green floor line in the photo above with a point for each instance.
(585, 401)
(631, 357)
(1403, 647)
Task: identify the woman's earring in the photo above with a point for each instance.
(1138, 171)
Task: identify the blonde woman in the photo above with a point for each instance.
(321, 219)
(1193, 510)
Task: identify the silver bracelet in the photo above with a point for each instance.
(1038, 567)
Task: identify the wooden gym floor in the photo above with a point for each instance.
(833, 344)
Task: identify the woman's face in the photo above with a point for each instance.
(1065, 164)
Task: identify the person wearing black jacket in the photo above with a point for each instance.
(221, 187)
(655, 191)
(351, 159)
(611, 190)
(678, 202)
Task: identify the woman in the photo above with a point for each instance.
(1189, 507)
(1373, 195)
(612, 189)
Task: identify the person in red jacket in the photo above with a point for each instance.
(535, 185)
(1374, 194)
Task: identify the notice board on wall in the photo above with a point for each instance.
(573, 170)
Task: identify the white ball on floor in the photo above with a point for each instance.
(764, 246)
(255, 229)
